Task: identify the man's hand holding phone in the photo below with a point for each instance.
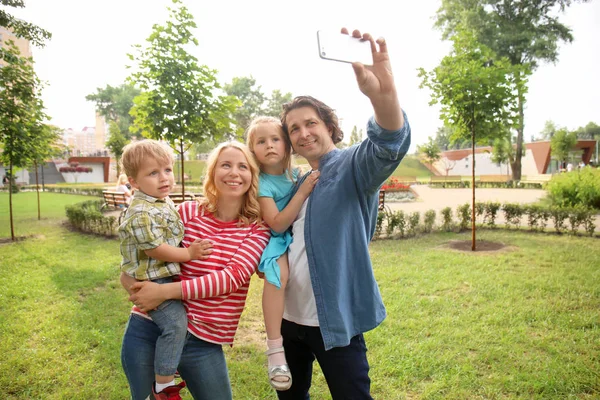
(375, 78)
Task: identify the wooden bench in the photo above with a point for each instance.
(446, 181)
(115, 201)
(178, 198)
(535, 180)
(495, 178)
(406, 179)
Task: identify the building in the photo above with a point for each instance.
(536, 161)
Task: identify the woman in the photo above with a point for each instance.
(213, 290)
(121, 186)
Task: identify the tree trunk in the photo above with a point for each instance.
(182, 168)
(516, 165)
(473, 245)
(42, 168)
(37, 189)
(10, 190)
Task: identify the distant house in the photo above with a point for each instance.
(537, 160)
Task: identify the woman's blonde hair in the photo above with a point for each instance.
(122, 180)
(250, 211)
(287, 160)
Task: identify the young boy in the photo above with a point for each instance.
(150, 235)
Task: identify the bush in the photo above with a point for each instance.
(575, 188)
(491, 211)
(87, 217)
(464, 214)
(447, 219)
(429, 220)
(413, 222)
(512, 214)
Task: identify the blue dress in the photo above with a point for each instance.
(279, 188)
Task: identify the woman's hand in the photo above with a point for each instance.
(147, 295)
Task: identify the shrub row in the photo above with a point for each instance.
(398, 224)
(68, 190)
(87, 217)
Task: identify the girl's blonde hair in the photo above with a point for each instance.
(250, 211)
(287, 160)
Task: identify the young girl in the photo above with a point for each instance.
(279, 209)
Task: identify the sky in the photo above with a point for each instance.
(275, 42)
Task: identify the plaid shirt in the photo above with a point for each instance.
(149, 222)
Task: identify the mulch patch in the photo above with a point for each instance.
(19, 239)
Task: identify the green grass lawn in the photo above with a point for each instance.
(517, 324)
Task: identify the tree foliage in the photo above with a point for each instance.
(115, 143)
(429, 151)
(562, 143)
(549, 130)
(525, 32)
(475, 89)
(178, 102)
(590, 131)
(356, 136)
(29, 31)
(114, 103)
(253, 102)
(21, 113)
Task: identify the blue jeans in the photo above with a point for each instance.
(202, 364)
(346, 369)
(171, 319)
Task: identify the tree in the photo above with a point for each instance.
(525, 32)
(590, 131)
(502, 150)
(116, 141)
(45, 145)
(178, 102)
(429, 151)
(476, 92)
(19, 108)
(251, 101)
(549, 130)
(114, 104)
(275, 103)
(31, 32)
(356, 135)
(562, 143)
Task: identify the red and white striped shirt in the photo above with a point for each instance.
(214, 290)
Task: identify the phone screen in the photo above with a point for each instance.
(336, 46)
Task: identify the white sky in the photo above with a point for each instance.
(275, 42)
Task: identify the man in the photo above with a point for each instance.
(332, 296)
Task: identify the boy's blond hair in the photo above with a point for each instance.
(136, 153)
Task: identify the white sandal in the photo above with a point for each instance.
(279, 371)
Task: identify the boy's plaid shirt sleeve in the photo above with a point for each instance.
(146, 227)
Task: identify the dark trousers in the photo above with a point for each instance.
(346, 369)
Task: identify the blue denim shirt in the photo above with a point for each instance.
(340, 221)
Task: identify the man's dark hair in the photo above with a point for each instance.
(325, 113)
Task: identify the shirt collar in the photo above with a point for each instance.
(143, 196)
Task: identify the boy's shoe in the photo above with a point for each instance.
(168, 393)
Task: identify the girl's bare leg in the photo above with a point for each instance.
(273, 303)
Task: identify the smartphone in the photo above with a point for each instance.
(336, 46)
